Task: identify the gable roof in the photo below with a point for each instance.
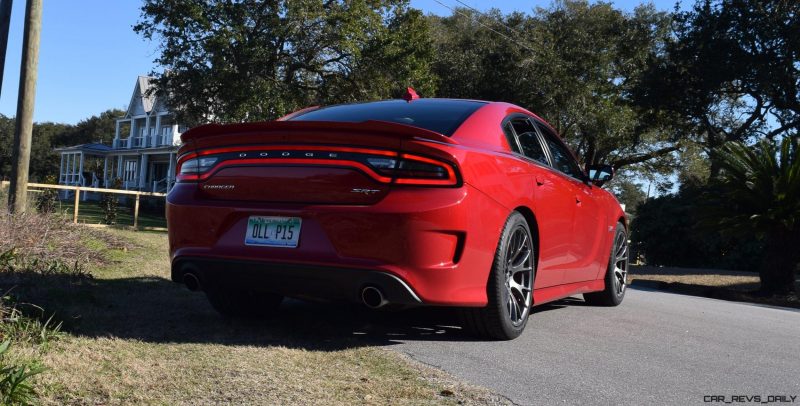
(142, 100)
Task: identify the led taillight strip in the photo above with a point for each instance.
(286, 161)
(451, 180)
(215, 151)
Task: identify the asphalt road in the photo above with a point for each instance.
(655, 348)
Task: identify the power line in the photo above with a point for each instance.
(455, 10)
(484, 15)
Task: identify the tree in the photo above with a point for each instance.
(99, 128)
(236, 60)
(730, 71)
(6, 144)
(668, 231)
(758, 193)
(47, 136)
(44, 160)
(576, 64)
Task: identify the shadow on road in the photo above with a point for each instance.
(158, 310)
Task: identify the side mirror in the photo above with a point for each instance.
(600, 174)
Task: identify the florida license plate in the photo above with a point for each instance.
(273, 231)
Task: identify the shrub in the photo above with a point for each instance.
(667, 231)
(27, 327)
(109, 202)
(47, 200)
(14, 386)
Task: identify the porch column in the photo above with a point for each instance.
(133, 133)
(143, 172)
(174, 134)
(105, 171)
(146, 135)
(119, 166)
(171, 171)
(80, 169)
(115, 143)
(72, 168)
(61, 170)
(68, 168)
(157, 135)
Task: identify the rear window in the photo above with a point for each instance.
(440, 115)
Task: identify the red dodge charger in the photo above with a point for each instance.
(436, 202)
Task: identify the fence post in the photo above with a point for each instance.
(136, 212)
(77, 203)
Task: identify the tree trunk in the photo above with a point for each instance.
(779, 266)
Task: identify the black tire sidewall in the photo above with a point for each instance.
(496, 288)
(611, 279)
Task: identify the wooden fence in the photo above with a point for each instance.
(33, 187)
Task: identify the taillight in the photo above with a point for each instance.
(418, 170)
(198, 165)
(383, 166)
(191, 169)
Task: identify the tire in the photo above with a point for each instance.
(616, 278)
(242, 303)
(510, 285)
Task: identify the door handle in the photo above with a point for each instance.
(539, 180)
(577, 200)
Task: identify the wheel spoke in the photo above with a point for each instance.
(521, 265)
(518, 275)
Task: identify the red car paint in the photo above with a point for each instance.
(438, 236)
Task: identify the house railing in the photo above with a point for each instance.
(122, 143)
(130, 184)
(75, 179)
(163, 185)
(79, 189)
(166, 137)
(139, 142)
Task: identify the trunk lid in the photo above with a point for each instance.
(299, 162)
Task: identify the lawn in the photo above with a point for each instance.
(131, 336)
(89, 212)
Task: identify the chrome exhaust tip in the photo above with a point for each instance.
(372, 297)
(191, 281)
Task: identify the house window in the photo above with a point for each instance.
(130, 171)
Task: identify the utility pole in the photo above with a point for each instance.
(17, 193)
(5, 22)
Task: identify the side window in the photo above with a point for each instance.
(509, 132)
(562, 159)
(526, 133)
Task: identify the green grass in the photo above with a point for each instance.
(131, 336)
(90, 212)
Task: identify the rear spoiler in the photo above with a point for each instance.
(278, 128)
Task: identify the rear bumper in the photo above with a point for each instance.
(440, 242)
(295, 280)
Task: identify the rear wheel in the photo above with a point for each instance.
(242, 303)
(510, 285)
(616, 275)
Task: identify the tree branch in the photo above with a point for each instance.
(635, 159)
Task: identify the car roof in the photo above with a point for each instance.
(443, 116)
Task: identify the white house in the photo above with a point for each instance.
(142, 155)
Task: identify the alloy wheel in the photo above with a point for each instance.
(518, 276)
(621, 263)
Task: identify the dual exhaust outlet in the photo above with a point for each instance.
(371, 296)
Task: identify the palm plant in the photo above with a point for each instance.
(758, 194)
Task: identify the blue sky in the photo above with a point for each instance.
(90, 57)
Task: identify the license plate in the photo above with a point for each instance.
(273, 231)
